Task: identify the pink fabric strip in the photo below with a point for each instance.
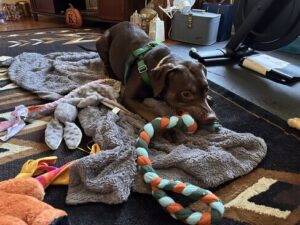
(4, 125)
(47, 178)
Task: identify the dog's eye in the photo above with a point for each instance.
(187, 94)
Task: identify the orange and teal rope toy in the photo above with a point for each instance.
(158, 185)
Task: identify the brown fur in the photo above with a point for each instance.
(180, 83)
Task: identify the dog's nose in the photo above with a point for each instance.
(209, 118)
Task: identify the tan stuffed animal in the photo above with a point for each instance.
(21, 204)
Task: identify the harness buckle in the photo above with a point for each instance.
(142, 68)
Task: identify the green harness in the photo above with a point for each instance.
(138, 55)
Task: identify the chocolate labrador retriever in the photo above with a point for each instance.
(180, 83)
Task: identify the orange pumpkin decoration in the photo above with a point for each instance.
(73, 17)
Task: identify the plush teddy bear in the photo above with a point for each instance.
(21, 204)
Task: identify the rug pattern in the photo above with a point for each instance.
(28, 141)
(13, 43)
(65, 36)
(268, 195)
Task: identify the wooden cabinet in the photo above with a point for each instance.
(54, 6)
(108, 10)
(118, 10)
(45, 6)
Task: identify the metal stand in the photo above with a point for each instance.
(235, 50)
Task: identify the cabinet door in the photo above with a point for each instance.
(112, 10)
(45, 6)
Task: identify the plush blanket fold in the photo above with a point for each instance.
(55, 74)
(204, 159)
(105, 177)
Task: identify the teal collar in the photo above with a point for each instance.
(138, 54)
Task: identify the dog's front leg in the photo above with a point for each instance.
(134, 94)
(137, 107)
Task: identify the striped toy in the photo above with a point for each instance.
(214, 212)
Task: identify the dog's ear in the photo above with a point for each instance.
(159, 77)
(195, 66)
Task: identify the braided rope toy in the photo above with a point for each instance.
(213, 213)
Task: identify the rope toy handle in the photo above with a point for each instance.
(215, 209)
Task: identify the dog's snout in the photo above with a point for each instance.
(203, 113)
(208, 118)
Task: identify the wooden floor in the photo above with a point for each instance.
(29, 23)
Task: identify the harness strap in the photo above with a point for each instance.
(142, 68)
(138, 54)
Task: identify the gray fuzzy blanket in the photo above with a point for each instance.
(204, 159)
(56, 74)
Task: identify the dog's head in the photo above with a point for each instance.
(184, 87)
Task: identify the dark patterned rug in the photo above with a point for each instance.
(47, 40)
(268, 195)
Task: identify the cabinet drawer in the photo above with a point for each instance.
(113, 10)
(45, 6)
